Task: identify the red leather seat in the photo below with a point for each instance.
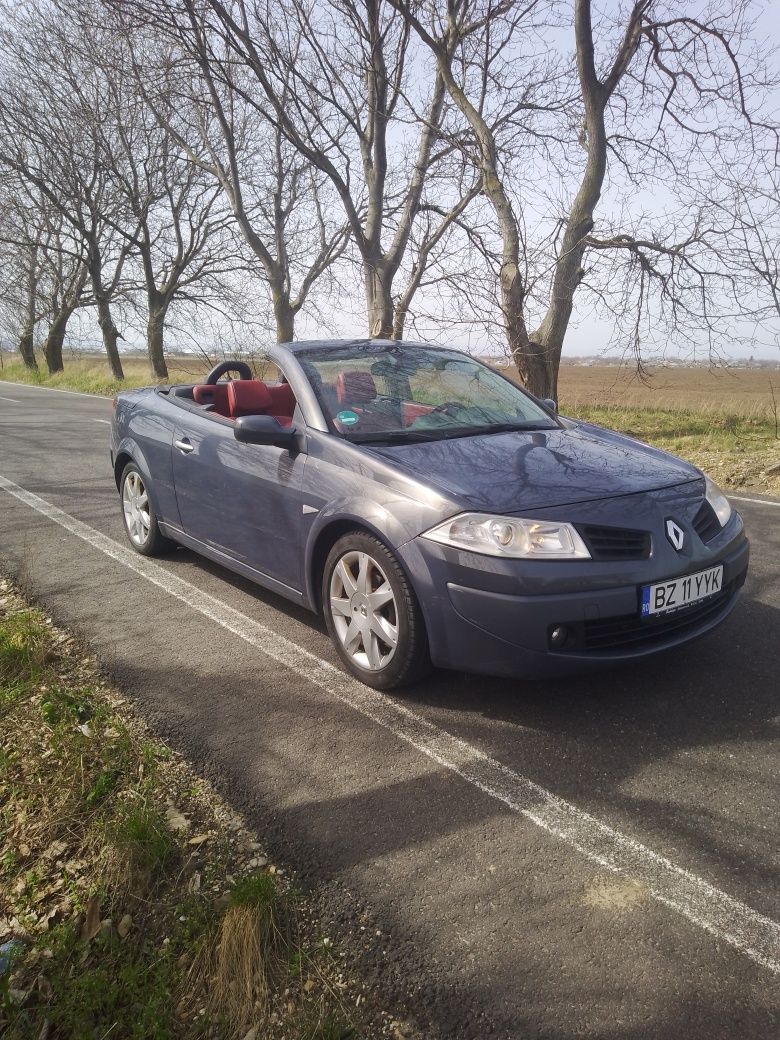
(355, 388)
(248, 397)
(282, 403)
(412, 410)
(212, 393)
(356, 392)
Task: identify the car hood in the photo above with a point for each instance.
(523, 470)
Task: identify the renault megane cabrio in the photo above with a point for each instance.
(432, 510)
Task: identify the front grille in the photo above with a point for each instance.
(631, 632)
(706, 523)
(616, 543)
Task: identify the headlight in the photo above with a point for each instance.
(718, 501)
(508, 536)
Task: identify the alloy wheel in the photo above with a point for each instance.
(364, 612)
(135, 503)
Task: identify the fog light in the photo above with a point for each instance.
(558, 636)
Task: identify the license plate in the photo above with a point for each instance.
(668, 596)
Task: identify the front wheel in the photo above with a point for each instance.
(138, 514)
(372, 613)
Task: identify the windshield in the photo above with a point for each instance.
(373, 394)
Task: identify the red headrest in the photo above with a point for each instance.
(212, 393)
(248, 397)
(355, 387)
(282, 399)
(206, 392)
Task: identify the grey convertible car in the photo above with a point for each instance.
(432, 510)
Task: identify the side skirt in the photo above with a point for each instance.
(177, 535)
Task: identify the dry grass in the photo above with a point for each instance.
(92, 375)
(718, 391)
(243, 959)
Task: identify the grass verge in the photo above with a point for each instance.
(93, 376)
(133, 902)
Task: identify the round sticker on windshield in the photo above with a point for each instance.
(348, 418)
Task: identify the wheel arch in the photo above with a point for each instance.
(121, 460)
(324, 540)
(129, 451)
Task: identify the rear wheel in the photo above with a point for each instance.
(138, 514)
(372, 613)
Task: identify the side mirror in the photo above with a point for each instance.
(549, 403)
(264, 429)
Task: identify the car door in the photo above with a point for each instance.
(243, 500)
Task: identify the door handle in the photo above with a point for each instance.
(184, 446)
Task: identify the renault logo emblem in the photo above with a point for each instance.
(675, 534)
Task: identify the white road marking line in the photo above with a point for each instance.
(57, 390)
(106, 421)
(701, 903)
(11, 399)
(755, 501)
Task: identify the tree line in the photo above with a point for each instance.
(486, 169)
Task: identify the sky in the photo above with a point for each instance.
(590, 335)
(587, 335)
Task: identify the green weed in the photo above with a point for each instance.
(144, 836)
(23, 648)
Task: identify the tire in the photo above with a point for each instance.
(382, 642)
(138, 515)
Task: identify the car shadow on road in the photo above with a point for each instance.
(637, 745)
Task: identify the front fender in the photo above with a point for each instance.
(360, 512)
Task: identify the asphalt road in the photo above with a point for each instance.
(577, 858)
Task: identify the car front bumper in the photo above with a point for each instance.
(495, 617)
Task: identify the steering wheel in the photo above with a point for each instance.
(241, 367)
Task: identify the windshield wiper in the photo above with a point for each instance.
(394, 436)
(521, 427)
(443, 433)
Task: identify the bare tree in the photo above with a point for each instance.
(20, 241)
(43, 267)
(64, 278)
(338, 82)
(179, 229)
(49, 138)
(669, 103)
(278, 201)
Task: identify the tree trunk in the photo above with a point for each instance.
(52, 348)
(155, 335)
(110, 337)
(26, 348)
(549, 337)
(26, 345)
(379, 301)
(105, 320)
(399, 320)
(284, 316)
(537, 366)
